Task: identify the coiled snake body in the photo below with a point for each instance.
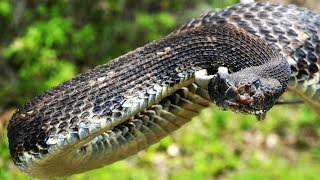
(118, 109)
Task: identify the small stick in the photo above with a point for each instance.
(293, 101)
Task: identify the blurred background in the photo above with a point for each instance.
(43, 43)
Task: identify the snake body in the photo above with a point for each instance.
(117, 109)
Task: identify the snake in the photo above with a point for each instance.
(241, 58)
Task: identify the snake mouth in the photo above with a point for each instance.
(241, 101)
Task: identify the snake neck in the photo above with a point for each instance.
(248, 58)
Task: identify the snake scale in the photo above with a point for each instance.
(117, 109)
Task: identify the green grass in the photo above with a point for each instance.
(219, 144)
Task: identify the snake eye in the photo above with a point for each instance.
(256, 83)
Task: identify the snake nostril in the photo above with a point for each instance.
(241, 89)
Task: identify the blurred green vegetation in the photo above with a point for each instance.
(44, 43)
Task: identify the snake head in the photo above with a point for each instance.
(244, 93)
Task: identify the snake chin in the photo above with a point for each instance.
(248, 94)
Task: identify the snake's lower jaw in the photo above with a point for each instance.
(236, 106)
